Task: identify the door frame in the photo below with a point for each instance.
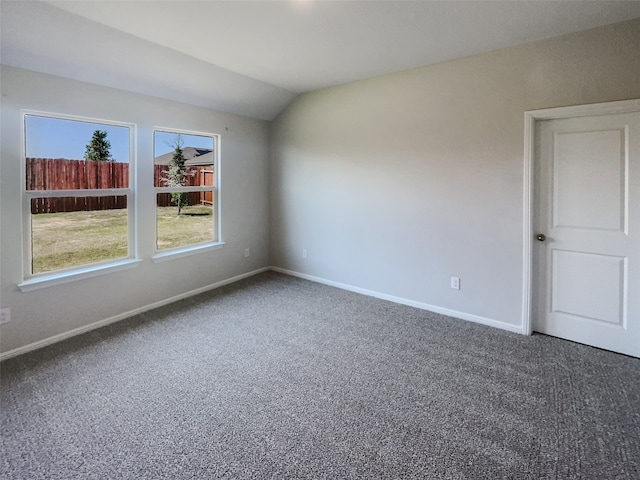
(531, 117)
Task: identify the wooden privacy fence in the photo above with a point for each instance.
(77, 204)
(63, 174)
(197, 176)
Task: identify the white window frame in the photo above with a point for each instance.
(35, 281)
(182, 251)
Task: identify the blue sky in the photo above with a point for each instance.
(48, 137)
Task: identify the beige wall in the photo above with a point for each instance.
(393, 184)
(43, 313)
(397, 183)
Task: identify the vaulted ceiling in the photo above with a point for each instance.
(254, 57)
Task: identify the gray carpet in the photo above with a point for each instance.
(277, 377)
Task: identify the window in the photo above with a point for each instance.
(78, 200)
(185, 180)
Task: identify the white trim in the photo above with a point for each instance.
(529, 147)
(165, 255)
(33, 281)
(209, 188)
(214, 189)
(76, 273)
(404, 301)
(183, 132)
(623, 106)
(71, 116)
(530, 119)
(25, 202)
(101, 192)
(87, 328)
(215, 197)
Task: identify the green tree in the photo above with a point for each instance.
(177, 174)
(98, 148)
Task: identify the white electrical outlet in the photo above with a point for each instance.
(5, 315)
(247, 252)
(304, 253)
(455, 283)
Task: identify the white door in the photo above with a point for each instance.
(586, 272)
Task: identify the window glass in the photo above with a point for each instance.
(64, 154)
(79, 236)
(194, 225)
(197, 152)
(185, 181)
(77, 182)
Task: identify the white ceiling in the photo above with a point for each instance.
(254, 57)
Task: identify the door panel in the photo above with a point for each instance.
(588, 285)
(584, 163)
(587, 196)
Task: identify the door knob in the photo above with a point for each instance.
(541, 237)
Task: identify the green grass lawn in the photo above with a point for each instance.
(62, 240)
(193, 225)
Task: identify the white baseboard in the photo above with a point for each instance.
(412, 303)
(87, 328)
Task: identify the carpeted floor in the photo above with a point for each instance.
(277, 377)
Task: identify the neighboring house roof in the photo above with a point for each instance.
(194, 156)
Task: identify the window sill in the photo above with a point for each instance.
(185, 251)
(74, 275)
